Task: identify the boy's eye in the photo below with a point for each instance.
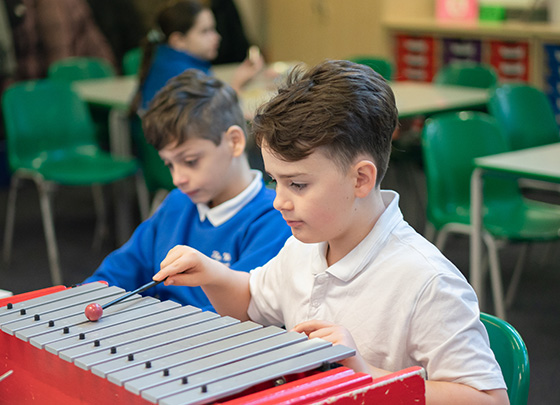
(191, 163)
(298, 186)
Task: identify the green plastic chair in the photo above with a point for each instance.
(525, 115)
(512, 356)
(131, 61)
(157, 176)
(450, 143)
(468, 74)
(82, 68)
(380, 65)
(50, 140)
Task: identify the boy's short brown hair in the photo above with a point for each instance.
(191, 105)
(344, 108)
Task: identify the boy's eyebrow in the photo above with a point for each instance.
(287, 175)
(187, 155)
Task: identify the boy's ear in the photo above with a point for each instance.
(366, 176)
(235, 137)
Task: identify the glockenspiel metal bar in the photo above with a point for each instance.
(238, 383)
(138, 318)
(129, 352)
(45, 299)
(169, 320)
(245, 363)
(199, 337)
(141, 373)
(85, 326)
(208, 362)
(65, 318)
(71, 304)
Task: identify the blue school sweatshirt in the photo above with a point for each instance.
(247, 240)
(168, 63)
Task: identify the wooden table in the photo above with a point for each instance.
(540, 163)
(417, 98)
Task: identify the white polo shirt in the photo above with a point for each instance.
(403, 301)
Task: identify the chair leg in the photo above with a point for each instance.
(514, 283)
(429, 231)
(495, 277)
(483, 275)
(158, 199)
(101, 226)
(441, 239)
(10, 218)
(45, 192)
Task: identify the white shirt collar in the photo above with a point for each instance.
(223, 212)
(356, 260)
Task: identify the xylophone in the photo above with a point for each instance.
(147, 351)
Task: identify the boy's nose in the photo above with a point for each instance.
(179, 178)
(282, 204)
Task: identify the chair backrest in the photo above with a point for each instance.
(525, 114)
(512, 356)
(450, 142)
(42, 118)
(79, 68)
(156, 174)
(131, 61)
(380, 65)
(468, 74)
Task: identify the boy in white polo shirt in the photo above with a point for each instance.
(354, 272)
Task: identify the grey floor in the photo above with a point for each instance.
(535, 313)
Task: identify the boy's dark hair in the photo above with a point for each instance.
(191, 105)
(344, 108)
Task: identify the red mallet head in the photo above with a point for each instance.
(94, 312)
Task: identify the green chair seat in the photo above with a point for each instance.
(525, 220)
(75, 169)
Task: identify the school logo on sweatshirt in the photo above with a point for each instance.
(225, 257)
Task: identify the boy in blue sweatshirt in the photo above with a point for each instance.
(220, 207)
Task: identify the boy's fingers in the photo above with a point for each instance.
(173, 254)
(176, 261)
(309, 327)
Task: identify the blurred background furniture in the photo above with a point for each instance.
(468, 74)
(53, 144)
(380, 65)
(525, 115)
(81, 68)
(131, 61)
(450, 143)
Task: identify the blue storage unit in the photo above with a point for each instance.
(552, 76)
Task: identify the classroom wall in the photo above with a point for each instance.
(312, 30)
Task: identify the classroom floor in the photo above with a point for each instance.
(535, 312)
